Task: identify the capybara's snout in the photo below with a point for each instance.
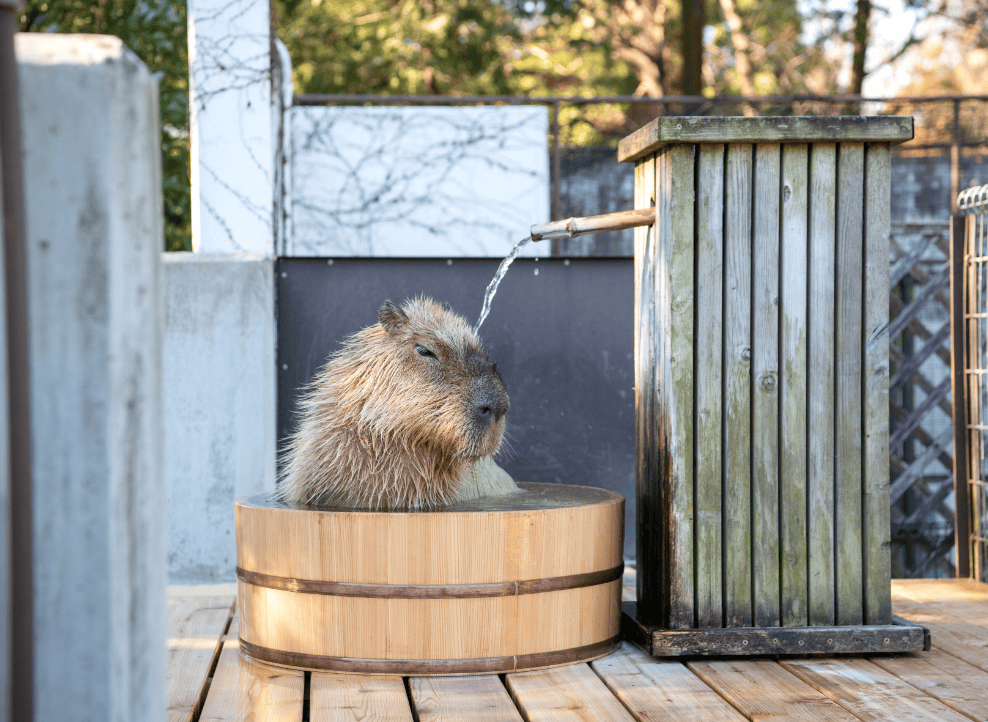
(490, 400)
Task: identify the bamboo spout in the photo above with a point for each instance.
(572, 227)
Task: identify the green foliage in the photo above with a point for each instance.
(541, 48)
(156, 32)
(397, 46)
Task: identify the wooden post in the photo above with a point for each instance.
(958, 392)
(762, 379)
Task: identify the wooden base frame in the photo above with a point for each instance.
(902, 636)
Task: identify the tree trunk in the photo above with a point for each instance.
(860, 46)
(742, 58)
(694, 16)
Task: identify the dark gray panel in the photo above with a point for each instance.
(563, 339)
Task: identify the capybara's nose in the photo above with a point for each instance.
(491, 410)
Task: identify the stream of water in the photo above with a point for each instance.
(492, 286)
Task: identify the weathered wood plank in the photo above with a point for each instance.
(196, 625)
(678, 252)
(959, 685)
(764, 690)
(246, 690)
(877, 569)
(565, 693)
(358, 698)
(737, 387)
(708, 384)
(698, 129)
(964, 638)
(462, 699)
(747, 641)
(820, 382)
(964, 597)
(656, 336)
(793, 359)
(661, 691)
(869, 692)
(765, 394)
(850, 270)
(651, 603)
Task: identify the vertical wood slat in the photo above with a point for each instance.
(793, 358)
(648, 508)
(660, 361)
(765, 396)
(737, 387)
(876, 508)
(676, 249)
(850, 270)
(709, 324)
(820, 386)
(958, 395)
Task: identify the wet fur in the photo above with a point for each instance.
(384, 427)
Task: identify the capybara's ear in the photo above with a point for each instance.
(391, 317)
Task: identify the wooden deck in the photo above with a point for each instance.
(208, 679)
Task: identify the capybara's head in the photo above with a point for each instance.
(432, 382)
(399, 417)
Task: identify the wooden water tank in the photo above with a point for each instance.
(762, 385)
(486, 586)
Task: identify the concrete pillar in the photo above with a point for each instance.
(219, 404)
(233, 172)
(94, 235)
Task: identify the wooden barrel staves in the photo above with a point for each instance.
(486, 586)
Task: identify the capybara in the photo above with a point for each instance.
(406, 415)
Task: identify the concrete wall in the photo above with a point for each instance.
(93, 233)
(219, 368)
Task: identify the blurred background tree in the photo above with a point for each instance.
(397, 46)
(587, 48)
(554, 47)
(156, 32)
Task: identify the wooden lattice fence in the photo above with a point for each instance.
(921, 441)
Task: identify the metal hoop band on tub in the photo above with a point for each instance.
(430, 591)
(491, 665)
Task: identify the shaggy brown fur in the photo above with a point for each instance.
(401, 417)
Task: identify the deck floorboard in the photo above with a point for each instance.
(210, 681)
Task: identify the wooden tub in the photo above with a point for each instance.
(486, 586)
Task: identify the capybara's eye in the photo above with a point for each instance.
(423, 351)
